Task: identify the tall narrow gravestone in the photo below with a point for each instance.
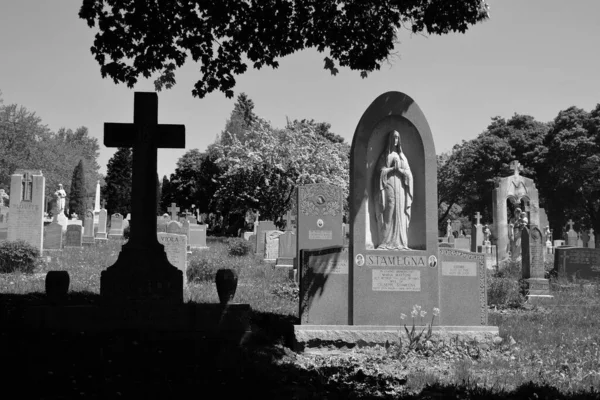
(53, 236)
(116, 226)
(27, 189)
(393, 213)
(532, 264)
(88, 227)
(142, 271)
(102, 218)
(261, 230)
(322, 276)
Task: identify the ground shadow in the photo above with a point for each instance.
(152, 365)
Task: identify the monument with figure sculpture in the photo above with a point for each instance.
(393, 262)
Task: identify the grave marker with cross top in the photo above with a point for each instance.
(173, 210)
(288, 220)
(477, 218)
(516, 167)
(142, 271)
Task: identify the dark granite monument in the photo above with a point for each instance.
(324, 286)
(577, 262)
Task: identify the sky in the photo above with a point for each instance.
(533, 57)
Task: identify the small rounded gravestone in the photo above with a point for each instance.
(57, 285)
(226, 280)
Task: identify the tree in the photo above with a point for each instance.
(166, 194)
(158, 195)
(21, 132)
(569, 169)
(78, 193)
(28, 144)
(144, 37)
(261, 170)
(241, 119)
(468, 175)
(117, 189)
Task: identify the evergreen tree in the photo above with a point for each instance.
(117, 190)
(241, 119)
(166, 195)
(158, 195)
(77, 195)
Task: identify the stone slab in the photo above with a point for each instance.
(263, 226)
(578, 262)
(53, 235)
(324, 282)
(463, 288)
(272, 245)
(197, 236)
(176, 249)
(74, 235)
(370, 335)
(319, 213)
(462, 244)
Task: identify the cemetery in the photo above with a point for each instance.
(293, 262)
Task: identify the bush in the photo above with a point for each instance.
(504, 291)
(238, 247)
(201, 270)
(18, 256)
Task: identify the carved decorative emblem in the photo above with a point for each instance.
(320, 200)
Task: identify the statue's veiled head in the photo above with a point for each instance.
(394, 142)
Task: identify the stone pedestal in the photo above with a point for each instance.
(538, 291)
(62, 220)
(142, 275)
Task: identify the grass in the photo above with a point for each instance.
(546, 352)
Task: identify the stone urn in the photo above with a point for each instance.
(57, 285)
(226, 280)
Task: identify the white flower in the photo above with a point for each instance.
(423, 313)
(402, 316)
(414, 313)
(436, 311)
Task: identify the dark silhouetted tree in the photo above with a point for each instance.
(78, 192)
(144, 37)
(117, 188)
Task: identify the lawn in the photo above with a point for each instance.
(546, 352)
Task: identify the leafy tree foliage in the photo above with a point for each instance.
(261, 170)
(569, 173)
(26, 143)
(468, 175)
(144, 37)
(241, 119)
(117, 190)
(78, 193)
(166, 195)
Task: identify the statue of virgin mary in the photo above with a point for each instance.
(394, 196)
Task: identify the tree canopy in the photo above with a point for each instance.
(147, 37)
(25, 142)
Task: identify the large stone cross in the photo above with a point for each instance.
(146, 136)
(142, 271)
(173, 210)
(516, 167)
(477, 218)
(570, 222)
